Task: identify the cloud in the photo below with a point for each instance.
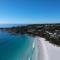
(8, 22)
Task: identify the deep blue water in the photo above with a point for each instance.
(15, 47)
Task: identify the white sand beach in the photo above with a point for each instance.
(40, 52)
(46, 50)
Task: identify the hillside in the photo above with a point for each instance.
(49, 31)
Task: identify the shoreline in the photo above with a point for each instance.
(42, 50)
(51, 32)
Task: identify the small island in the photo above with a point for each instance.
(51, 32)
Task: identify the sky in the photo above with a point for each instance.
(29, 11)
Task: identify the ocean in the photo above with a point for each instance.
(15, 47)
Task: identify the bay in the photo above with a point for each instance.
(15, 47)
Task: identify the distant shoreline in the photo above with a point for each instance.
(49, 31)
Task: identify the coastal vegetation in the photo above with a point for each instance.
(51, 32)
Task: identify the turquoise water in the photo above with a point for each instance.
(15, 47)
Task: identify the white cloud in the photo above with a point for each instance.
(9, 22)
(5, 22)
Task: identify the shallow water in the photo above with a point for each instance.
(15, 47)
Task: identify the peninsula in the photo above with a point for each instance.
(51, 32)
